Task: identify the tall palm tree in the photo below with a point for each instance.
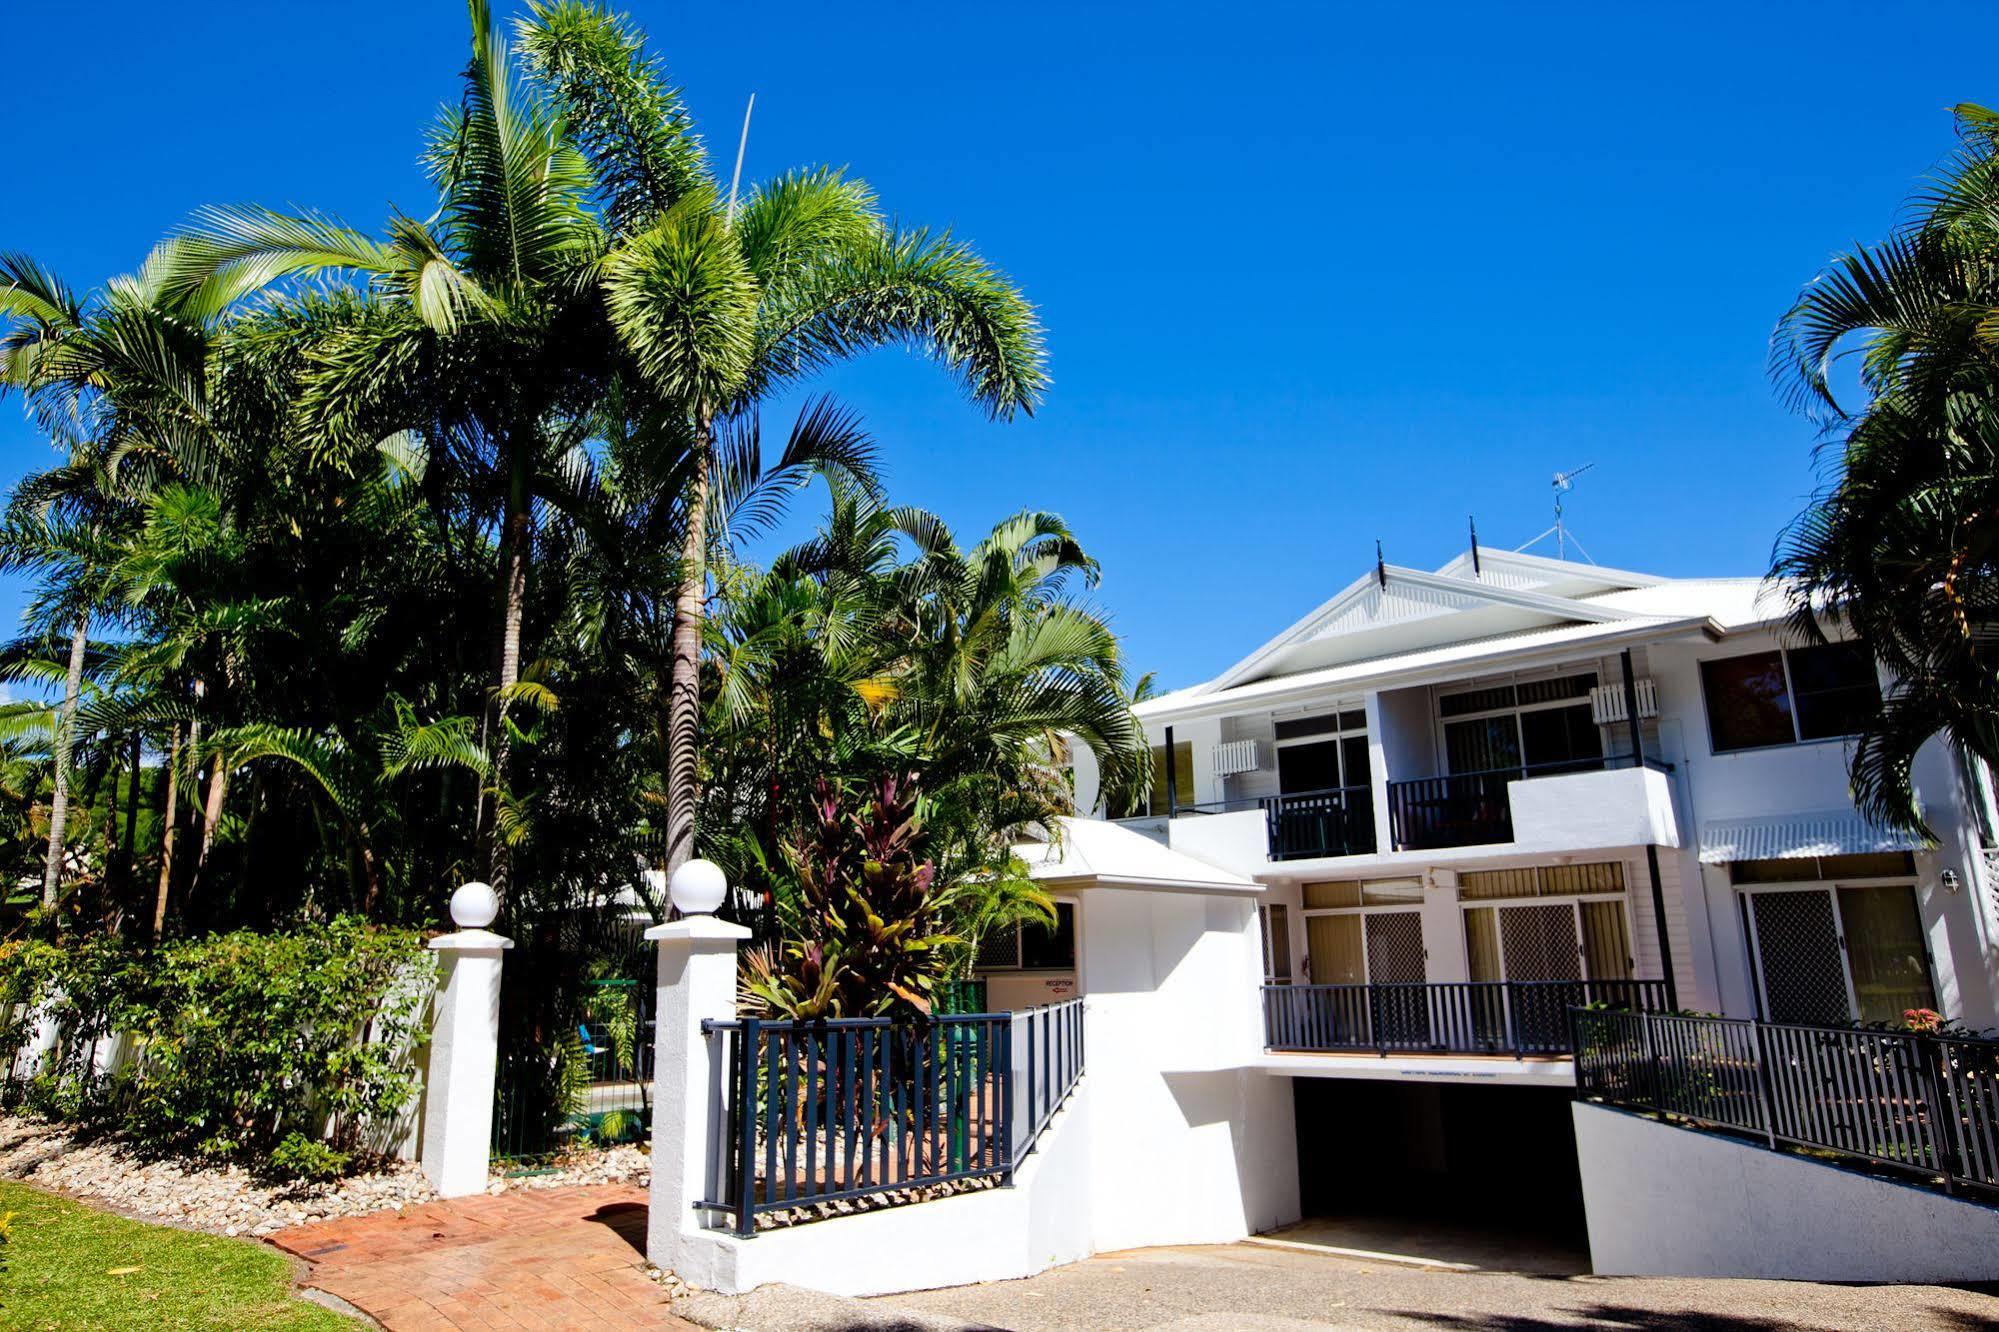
(1902, 546)
(479, 333)
(61, 522)
(719, 304)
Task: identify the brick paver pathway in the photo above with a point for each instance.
(550, 1258)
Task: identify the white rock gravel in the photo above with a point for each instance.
(231, 1201)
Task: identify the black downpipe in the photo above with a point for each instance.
(1651, 850)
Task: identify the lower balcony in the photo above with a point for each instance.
(1447, 1017)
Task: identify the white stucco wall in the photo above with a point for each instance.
(1580, 810)
(1666, 1201)
(1790, 779)
(995, 1234)
(1191, 1143)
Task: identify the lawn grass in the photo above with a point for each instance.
(71, 1267)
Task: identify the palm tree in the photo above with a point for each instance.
(718, 304)
(1903, 545)
(479, 332)
(61, 522)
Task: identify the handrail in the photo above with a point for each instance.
(1047, 1045)
(842, 1109)
(1918, 1103)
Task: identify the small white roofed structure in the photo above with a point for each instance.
(1094, 853)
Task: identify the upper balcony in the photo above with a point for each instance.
(1300, 825)
(1486, 808)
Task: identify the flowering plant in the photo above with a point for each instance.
(1926, 1020)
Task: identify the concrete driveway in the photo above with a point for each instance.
(1256, 1288)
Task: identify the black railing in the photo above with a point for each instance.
(824, 1112)
(1924, 1105)
(1472, 808)
(1047, 1045)
(1337, 822)
(1445, 1017)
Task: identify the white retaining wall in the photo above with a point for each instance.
(1666, 1201)
(1041, 1221)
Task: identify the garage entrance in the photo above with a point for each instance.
(1483, 1176)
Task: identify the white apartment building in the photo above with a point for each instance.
(1473, 799)
(1439, 780)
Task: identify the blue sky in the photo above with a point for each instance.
(1311, 275)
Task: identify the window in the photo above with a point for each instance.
(1535, 724)
(1154, 805)
(1324, 753)
(1277, 943)
(1835, 687)
(1032, 946)
(1602, 876)
(1789, 696)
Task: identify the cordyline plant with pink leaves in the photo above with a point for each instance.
(866, 938)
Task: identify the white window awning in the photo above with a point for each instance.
(1094, 853)
(1798, 836)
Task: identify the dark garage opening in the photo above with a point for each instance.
(1485, 1175)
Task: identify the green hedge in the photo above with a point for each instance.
(283, 1050)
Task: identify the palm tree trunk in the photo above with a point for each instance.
(65, 743)
(169, 827)
(211, 816)
(514, 575)
(132, 806)
(683, 699)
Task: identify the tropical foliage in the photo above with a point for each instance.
(373, 562)
(292, 1049)
(1903, 544)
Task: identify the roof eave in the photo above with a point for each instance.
(1222, 703)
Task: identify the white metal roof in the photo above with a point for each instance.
(1496, 650)
(1096, 853)
(1832, 832)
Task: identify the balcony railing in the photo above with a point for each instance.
(1339, 822)
(1446, 1017)
(1472, 808)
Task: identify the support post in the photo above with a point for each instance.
(697, 983)
(464, 1047)
(1172, 778)
(1631, 713)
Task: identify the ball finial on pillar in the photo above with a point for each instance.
(697, 887)
(475, 906)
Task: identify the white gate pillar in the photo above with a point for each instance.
(464, 1047)
(697, 981)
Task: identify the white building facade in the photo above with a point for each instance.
(1438, 778)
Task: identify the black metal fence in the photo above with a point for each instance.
(1447, 1017)
(1047, 1045)
(1925, 1105)
(818, 1112)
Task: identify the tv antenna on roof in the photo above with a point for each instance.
(1563, 483)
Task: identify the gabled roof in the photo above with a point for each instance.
(1498, 652)
(1393, 609)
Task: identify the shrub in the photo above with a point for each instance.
(240, 1042)
(300, 1157)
